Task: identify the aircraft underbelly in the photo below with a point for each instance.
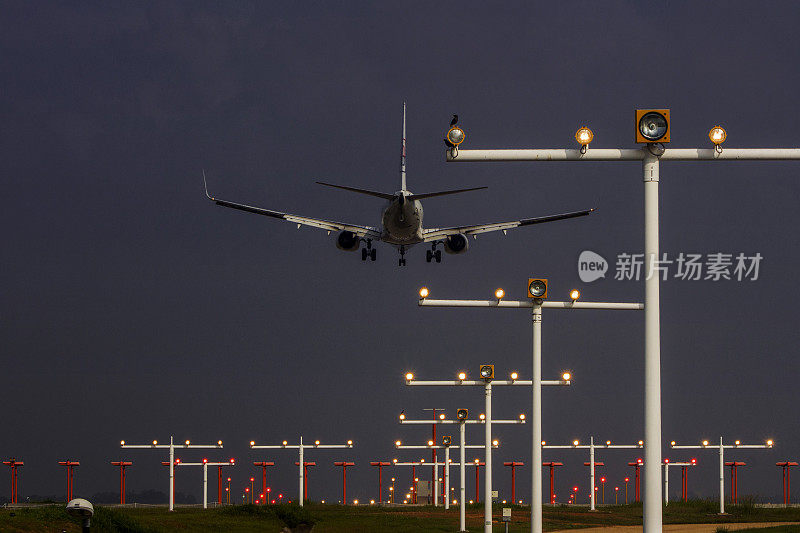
(402, 226)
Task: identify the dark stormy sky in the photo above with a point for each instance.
(133, 308)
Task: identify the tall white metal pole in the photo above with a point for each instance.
(205, 486)
(652, 349)
(536, 413)
(436, 484)
(666, 483)
(487, 490)
(592, 494)
(300, 497)
(462, 503)
(171, 475)
(447, 477)
(721, 477)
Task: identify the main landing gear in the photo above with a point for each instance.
(402, 261)
(369, 251)
(433, 253)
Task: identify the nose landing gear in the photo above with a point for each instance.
(402, 261)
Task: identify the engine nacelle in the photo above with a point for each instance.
(456, 244)
(348, 241)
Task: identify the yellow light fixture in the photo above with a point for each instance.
(499, 294)
(566, 376)
(717, 135)
(705, 443)
(462, 376)
(522, 416)
(285, 443)
(409, 376)
(187, 442)
(402, 416)
(514, 375)
(584, 136)
(537, 288)
(575, 442)
(316, 443)
(252, 443)
(575, 294)
(441, 416)
(455, 136)
(122, 443)
(430, 443)
(424, 292)
(482, 416)
(769, 443)
(652, 126)
(350, 443)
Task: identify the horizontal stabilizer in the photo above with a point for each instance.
(441, 193)
(384, 195)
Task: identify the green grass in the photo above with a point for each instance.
(774, 529)
(338, 519)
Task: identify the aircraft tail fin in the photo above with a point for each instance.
(441, 193)
(384, 195)
(403, 153)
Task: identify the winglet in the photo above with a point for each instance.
(205, 186)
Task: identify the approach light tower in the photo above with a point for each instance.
(205, 464)
(300, 448)
(721, 447)
(123, 465)
(576, 445)
(537, 302)
(70, 476)
(486, 373)
(14, 464)
(171, 447)
(652, 130)
(264, 465)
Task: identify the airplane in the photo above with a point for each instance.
(401, 220)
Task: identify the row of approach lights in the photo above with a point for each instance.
(652, 126)
(537, 288)
(187, 443)
(770, 443)
(461, 414)
(219, 443)
(316, 443)
(487, 374)
(447, 440)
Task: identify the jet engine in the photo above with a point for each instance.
(349, 241)
(456, 244)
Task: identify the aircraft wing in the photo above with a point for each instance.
(329, 225)
(435, 234)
